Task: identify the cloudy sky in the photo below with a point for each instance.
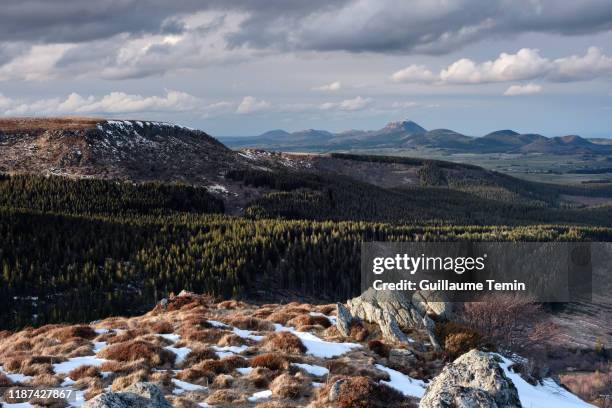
(240, 67)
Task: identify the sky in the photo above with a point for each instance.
(242, 67)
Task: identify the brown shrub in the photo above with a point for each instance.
(92, 393)
(82, 331)
(358, 331)
(181, 402)
(512, 322)
(287, 386)
(283, 341)
(274, 404)
(233, 362)
(251, 323)
(197, 355)
(379, 348)
(456, 338)
(83, 372)
(137, 349)
(457, 344)
(272, 361)
(162, 327)
(223, 397)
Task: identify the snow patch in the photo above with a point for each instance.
(408, 386)
(260, 395)
(75, 362)
(184, 386)
(244, 370)
(227, 351)
(312, 369)
(547, 394)
(318, 347)
(181, 353)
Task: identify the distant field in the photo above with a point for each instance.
(558, 169)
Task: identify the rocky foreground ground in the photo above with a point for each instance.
(191, 351)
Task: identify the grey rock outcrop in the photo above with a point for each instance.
(395, 310)
(343, 319)
(139, 395)
(474, 380)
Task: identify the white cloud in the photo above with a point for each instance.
(357, 103)
(414, 73)
(113, 103)
(528, 89)
(526, 64)
(251, 104)
(332, 87)
(404, 105)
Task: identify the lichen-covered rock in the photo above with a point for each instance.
(474, 380)
(139, 395)
(343, 319)
(397, 310)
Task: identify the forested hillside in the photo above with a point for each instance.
(66, 255)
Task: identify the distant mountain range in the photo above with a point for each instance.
(408, 134)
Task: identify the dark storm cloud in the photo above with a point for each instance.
(432, 26)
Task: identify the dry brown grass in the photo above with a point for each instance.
(590, 386)
(358, 331)
(281, 317)
(198, 355)
(81, 331)
(43, 123)
(283, 341)
(196, 375)
(222, 366)
(127, 335)
(379, 348)
(49, 402)
(357, 392)
(251, 323)
(223, 397)
(274, 404)
(223, 381)
(162, 327)
(83, 372)
(260, 377)
(204, 336)
(4, 381)
(231, 304)
(308, 320)
(232, 339)
(44, 380)
(326, 309)
(272, 361)
(121, 383)
(136, 350)
(287, 386)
